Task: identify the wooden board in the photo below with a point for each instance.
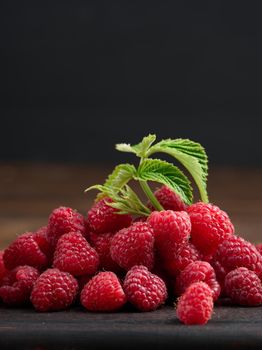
(230, 328)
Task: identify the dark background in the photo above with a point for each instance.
(79, 76)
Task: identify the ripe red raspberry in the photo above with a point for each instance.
(243, 287)
(143, 289)
(103, 293)
(40, 236)
(24, 251)
(102, 242)
(210, 225)
(169, 199)
(170, 228)
(235, 252)
(64, 220)
(179, 257)
(103, 218)
(17, 285)
(196, 305)
(74, 254)
(259, 247)
(3, 270)
(197, 271)
(54, 290)
(133, 246)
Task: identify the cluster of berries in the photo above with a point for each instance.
(107, 259)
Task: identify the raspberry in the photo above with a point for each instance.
(74, 254)
(54, 290)
(24, 251)
(3, 270)
(243, 287)
(235, 252)
(179, 257)
(64, 220)
(103, 293)
(144, 290)
(259, 247)
(133, 246)
(104, 218)
(195, 306)
(40, 236)
(170, 228)
(169, 199)
(17, 285)
(197, 271)
(210, 225)
(102, 242)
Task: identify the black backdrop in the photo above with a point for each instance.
(79, 76)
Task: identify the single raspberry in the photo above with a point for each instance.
(103, 293)
(179, 257)
(196, 305)
(74, 254)
(170, 229)
(54, 290)
(197, 271)
(210, 225)
(235, 252)
(24, 251)
(17, 285)
(169, 199)
(259, 247)
(64, 220)
(133, 246)
(104, 218)
(243, 287)
(143, 289)
(3, 270)
(102, 242)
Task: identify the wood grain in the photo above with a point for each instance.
(28, 193)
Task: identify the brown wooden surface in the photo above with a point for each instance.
(28, 192)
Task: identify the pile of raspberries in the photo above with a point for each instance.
(188, 254)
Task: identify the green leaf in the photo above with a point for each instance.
(127, 202)
(125, 199)
(140, 149)
(100, 188)
(192, 155)
(167, 174)
(125, 147)
(120, 176)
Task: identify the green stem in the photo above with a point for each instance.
(147, 190)
(150, 195)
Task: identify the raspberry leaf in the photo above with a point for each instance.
(140, 149)
(192, 155)
(167, 174)
(124, 199)
(127, 202)
(120, 176)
